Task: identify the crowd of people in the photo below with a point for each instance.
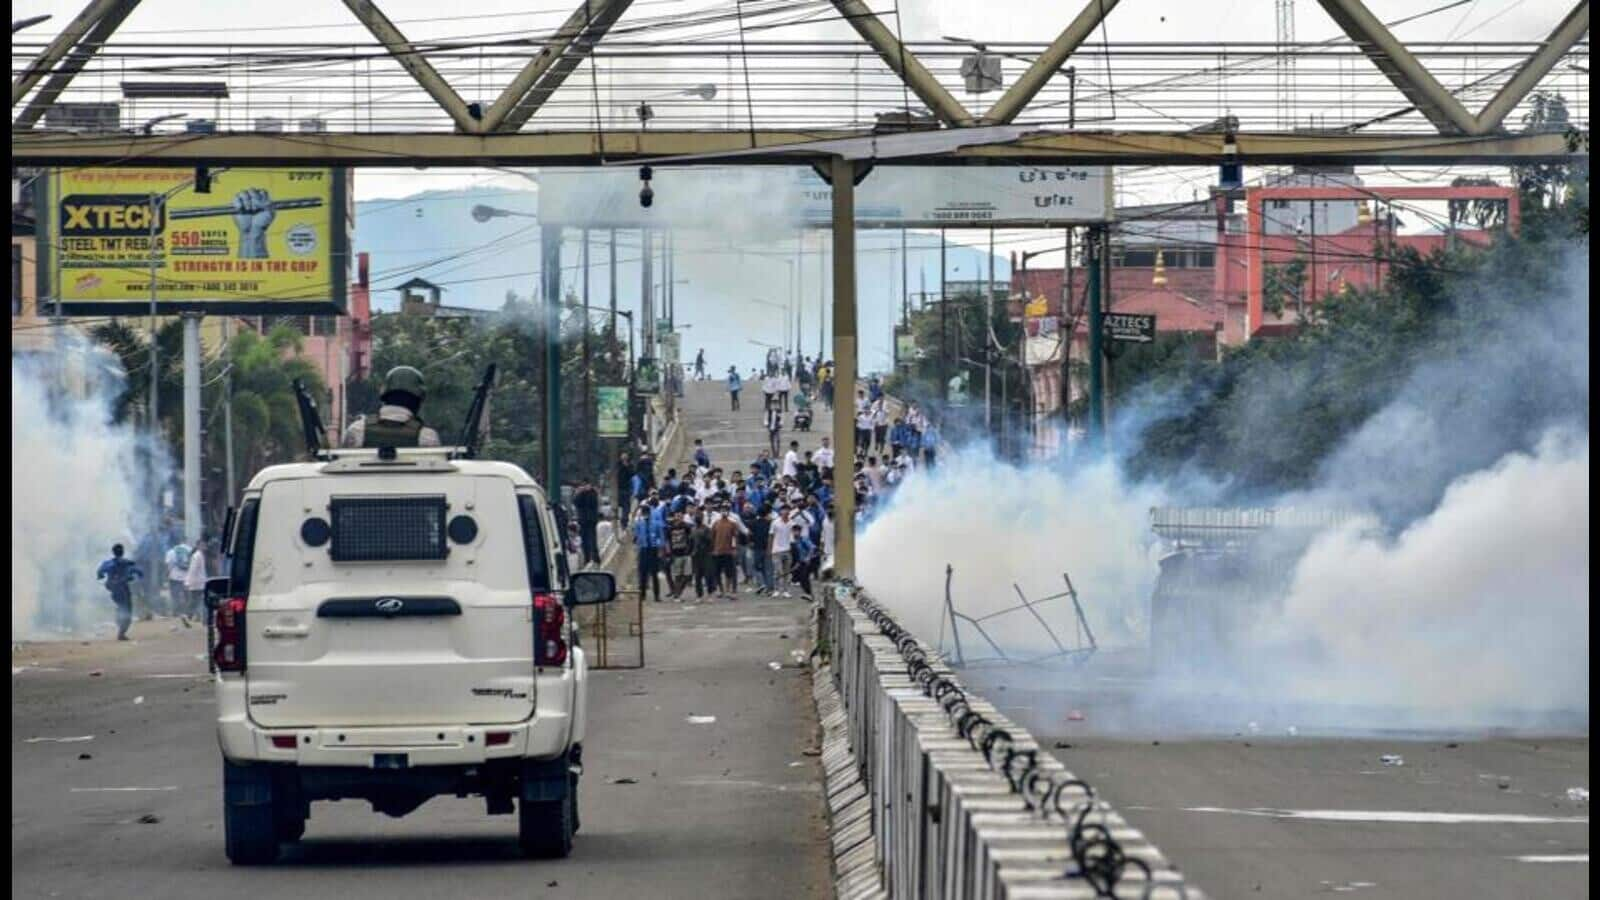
(767, 525)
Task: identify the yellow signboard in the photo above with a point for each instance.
(259, 241)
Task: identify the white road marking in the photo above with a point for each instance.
(1554, 858)
(61, 740)
(1397, 816)
(97, 790)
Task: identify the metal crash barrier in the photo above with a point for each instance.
(964, 803)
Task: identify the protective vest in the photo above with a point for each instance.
(387, 433)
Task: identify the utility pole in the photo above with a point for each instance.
(988, 341)
(905, 285)
(944, 338)
(191, 427)
(1092, 253)
(843, 174)
(588, 427)
(227, 410)
(550, 246)
(646, 310)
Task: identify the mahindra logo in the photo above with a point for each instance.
(390, 605)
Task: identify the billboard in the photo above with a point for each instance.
(794, 197)
(263, 241)
(611, 409)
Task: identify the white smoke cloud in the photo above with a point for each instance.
(74, 489)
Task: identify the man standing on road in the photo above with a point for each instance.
(734, 384)
(194, 582)
(803, 553)
(782, 537)
(648, 538)
(624, 487)
(761, 550)
(783, 389)
(863, 428)
(586, 500)
(700, 365)
(118, 573)
(701, 457)
(725, 533)
(880, 425)
(680, 530)
(769, 389)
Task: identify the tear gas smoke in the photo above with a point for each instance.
(75, 488)
(1458, 599)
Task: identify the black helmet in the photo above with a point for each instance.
(404, 380)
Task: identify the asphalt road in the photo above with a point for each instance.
(1247, 809)
(725, 809)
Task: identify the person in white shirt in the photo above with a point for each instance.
(769, 390)
(783, 391)
(880, 425)
(781, 538)
(863, 431)
(874, 474)
(791, 460)
(824, 456)
(194, 580)
(177, 561)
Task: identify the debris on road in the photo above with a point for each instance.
(1392, 759)
(1063, 745)
(1504, 784)
(624, 781)
(700, 720)
(1075, 716)
(60, 740)
(86, 756)
(774, 665)
(796, 764)
(1578, 794)
(811, 751)
(1292, 731)
(138, 700)
(96, 673)
(149, 819)
(1253, 728)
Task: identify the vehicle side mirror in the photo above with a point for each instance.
(593, 587)
(216, 590)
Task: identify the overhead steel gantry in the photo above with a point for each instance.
(494, 136)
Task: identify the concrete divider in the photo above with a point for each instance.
(934, 793)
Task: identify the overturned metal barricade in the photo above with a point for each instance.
(963, 802)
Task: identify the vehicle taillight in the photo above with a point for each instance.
(228, 653)
(549, 631)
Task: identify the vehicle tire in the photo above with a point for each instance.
(545, 827)
(250, 832)
(289, 811)
(572, 795)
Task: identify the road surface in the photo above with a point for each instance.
(670, 808)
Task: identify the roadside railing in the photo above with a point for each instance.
(964, 802)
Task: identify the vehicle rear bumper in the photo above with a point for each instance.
(542, 737)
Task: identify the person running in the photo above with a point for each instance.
(734, 384)
(700, 365)
(119, 573)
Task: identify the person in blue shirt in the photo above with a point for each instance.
(734, 384)
(649, 535)
(701, 457)
(803, 554)
(930, 444)
(118, 573)
(900, 436)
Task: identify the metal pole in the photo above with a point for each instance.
(944, 334)
(550, 244)
(988, 349)
(587, 429)
(155, 388)
(647, 329)
(1092, 251)
(905, 284)
(227, 410)
(191, 427)
(844, 351)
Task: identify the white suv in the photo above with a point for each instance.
(395, 626)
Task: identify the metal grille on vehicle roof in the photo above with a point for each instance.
(383, 529)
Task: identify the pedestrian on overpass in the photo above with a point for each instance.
(700, 556)
(700, 365)
(680, 530)
(624, 487)
(701, 457)
(863, 427)
(930, 443)
(880, 425)
(734, 384)
(769, 389)
(118, 573)
(725, 533)
(784, 384)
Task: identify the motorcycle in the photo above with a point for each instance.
(802, 420)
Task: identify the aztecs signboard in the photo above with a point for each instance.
(261, 241)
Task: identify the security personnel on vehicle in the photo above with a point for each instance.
(397, 423)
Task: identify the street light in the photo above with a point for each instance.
(27, 23)
(149, 126)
